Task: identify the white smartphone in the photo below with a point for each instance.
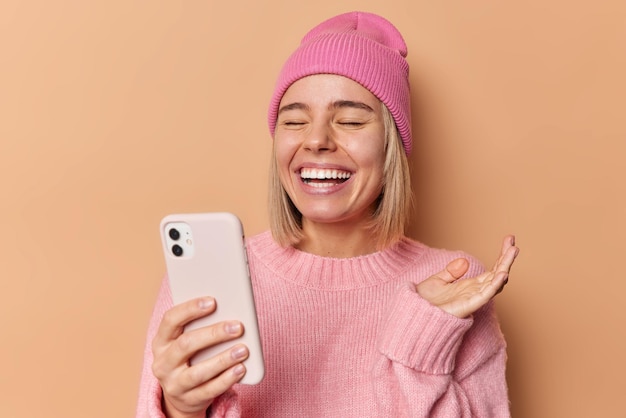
(205, 255)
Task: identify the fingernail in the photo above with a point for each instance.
(239, 353)
(207, 303)
(233, 327)
(239, 370)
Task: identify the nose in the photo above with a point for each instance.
(320, 138)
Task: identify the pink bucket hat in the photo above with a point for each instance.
(363, 47)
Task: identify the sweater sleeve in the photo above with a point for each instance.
(149, 401)
(150, 393)
(433, 364)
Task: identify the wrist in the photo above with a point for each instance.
(177, 414)
(171, 412)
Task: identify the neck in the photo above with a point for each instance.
(336, 240)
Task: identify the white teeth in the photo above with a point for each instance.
(321, 185)
(321, 174)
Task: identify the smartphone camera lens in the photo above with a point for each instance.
(177, 250)
(174, 234)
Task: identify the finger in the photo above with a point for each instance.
(499, 275)
(507, 242)
(454, 270)
(175, 319)
(209, 369)
(502, 287)
(180, 351)
(496, 285)
(507, 260)
(219, 385)
(508, 249)
(189, 343)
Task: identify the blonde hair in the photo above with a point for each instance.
(391, 216)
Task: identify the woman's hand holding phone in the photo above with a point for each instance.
(201, 344)
(189, 390)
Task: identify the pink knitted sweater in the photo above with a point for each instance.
(351, 338)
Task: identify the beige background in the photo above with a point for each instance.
(115, 113)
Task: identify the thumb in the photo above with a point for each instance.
(454, 270)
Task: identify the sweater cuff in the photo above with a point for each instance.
(225, 405)
(419, 335)
(155, 400)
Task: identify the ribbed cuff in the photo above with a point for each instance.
(419, 335)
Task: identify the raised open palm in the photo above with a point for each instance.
(464, 297)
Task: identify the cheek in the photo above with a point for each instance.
(371, 157)
(283, 155)
(282, 151)
(375, 164)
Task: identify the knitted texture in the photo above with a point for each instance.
(363, 47)
(352, 338)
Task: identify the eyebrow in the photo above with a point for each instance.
(350, 103)
(293, 106)
(335, 105)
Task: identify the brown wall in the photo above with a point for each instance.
(116, 113)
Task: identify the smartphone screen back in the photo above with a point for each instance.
(205, 255)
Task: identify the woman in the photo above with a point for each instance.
(356, 319)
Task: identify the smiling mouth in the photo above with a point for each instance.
(323, 177)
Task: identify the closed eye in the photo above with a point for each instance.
(351, 124)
